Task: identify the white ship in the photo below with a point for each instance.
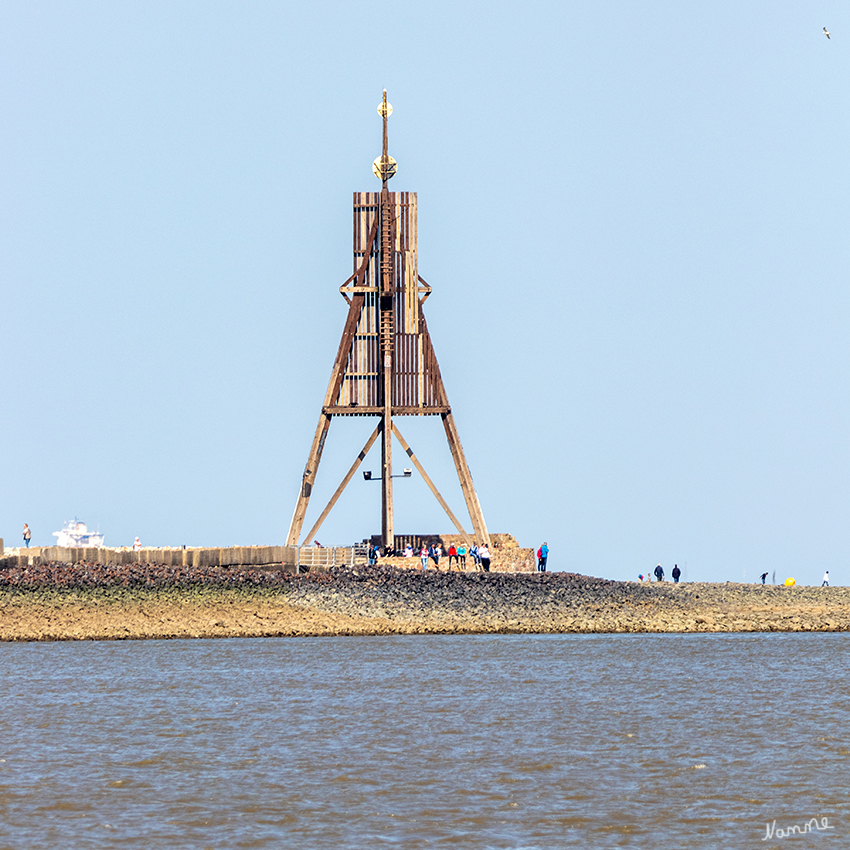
(76, 534)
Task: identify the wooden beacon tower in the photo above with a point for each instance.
(386, 366)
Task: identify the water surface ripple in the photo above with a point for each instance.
(505, 741)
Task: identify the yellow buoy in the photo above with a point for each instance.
(789, 582)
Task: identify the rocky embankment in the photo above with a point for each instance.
(89, 601)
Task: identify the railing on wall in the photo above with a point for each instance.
(310, 557)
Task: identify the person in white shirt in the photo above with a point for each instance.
(825, 579)
(484, 554)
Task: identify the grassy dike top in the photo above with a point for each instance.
(94, 602)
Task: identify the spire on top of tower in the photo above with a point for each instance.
(384, 166)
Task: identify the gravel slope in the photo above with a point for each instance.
(89, 601)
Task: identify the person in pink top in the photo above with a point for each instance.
(423, 556)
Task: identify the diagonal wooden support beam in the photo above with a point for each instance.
(358, 276)
(465, 478)
(349, 475)
(430, 483)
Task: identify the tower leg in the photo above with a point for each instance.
(308, 479)
(463, 473)
(331, 396)
(465, 478)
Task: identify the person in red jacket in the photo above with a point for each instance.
(452, 554)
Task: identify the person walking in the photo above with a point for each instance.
(825, 579)
(484, 554)
(461, 556)
(27, 535)
(423, 556)
(676, 573)
(763, 577)
(659, 573)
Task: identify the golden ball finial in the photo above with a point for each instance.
(380, 168)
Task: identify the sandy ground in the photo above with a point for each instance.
(27, 620)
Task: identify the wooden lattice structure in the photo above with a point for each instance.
(386, 366)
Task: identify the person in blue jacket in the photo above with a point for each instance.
(542, 557)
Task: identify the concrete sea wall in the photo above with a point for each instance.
(232, 556)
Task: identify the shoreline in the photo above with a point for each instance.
(93, 602)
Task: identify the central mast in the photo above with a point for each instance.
(386, 321)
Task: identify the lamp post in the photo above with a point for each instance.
(406, 473)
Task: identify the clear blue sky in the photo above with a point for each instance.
(634, 218)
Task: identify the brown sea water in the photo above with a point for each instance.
(592, 741)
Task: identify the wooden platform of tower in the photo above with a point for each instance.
(385, 366)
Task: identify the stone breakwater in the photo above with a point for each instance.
(92, 601)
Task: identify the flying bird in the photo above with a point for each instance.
(826, 32)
